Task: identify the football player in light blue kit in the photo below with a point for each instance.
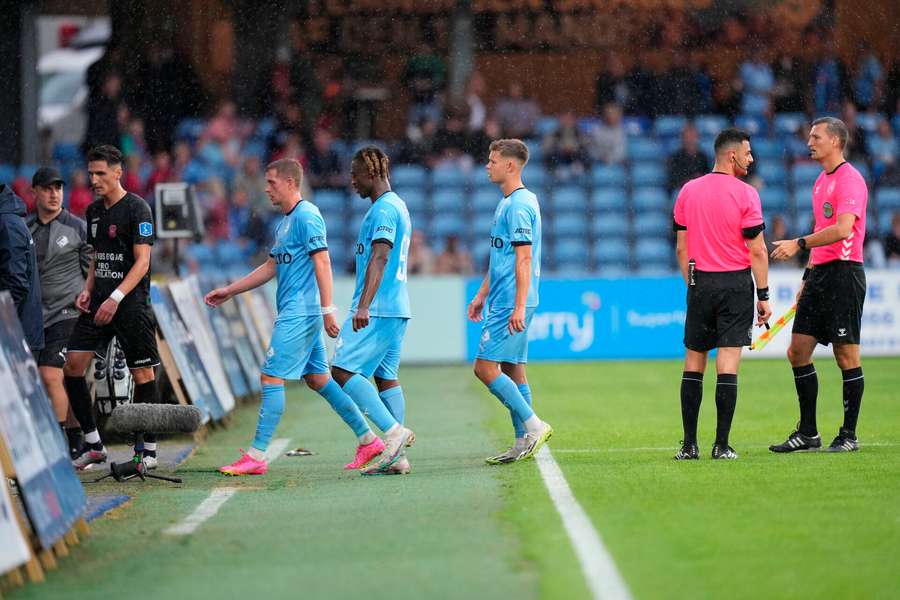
(299, 260)
(370, 340)
(510, 291)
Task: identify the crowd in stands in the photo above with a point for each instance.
(602, 178)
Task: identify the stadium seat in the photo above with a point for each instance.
(710, 125)
(612, 270)
(650, 199)
(7, 174)
(767, 149)
(27, 171)
(448, 201)
(608, 175)
(446, 225)
(611, 251)
(609, 224)
(774, 199)
(652, 224)
(66, 152)
(669, 125)
(409, 175)
(588, 124)
(480, 230)
(189, 129)
(888, 199)
(449, 176)
(485, 200)
(755, 125)
(413, 196)
(639, 149)
(648, 174)
(636, 126)
(660, 268)
(863, 169)
(571, 256)
(895, 123)
(569, 198)
(265, 127)
(336, 223)
(804, 174)
(787, 124)
(771, 171)
(330, 200)
(547, 125)
(803, 200)
(420, 218)
(568, 225)
(654, 250)
(610, 198)
(869, 121)
(535, 178)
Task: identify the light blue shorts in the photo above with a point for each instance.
(373, 350)
(498, 344)
(297, 348)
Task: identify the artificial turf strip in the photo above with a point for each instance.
(764, 526)
(308, 529)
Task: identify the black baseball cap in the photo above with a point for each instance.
(47, 176)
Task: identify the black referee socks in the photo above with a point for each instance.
(726, 400)
(853, 392)
(691, 396)
(807, 383)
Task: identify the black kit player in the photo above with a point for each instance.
(830, 300)
(115, 300)
(719, 229)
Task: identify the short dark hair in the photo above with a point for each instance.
(511, 148)
(106, 152)
(287, 168)
(834, 127)
(730, 136)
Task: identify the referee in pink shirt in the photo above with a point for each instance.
(830, 300)
(719, 228)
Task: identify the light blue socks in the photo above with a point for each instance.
(518, 425)
(366, 398)
(506, 390)
(345, 408)
(395, 403)
(270, 410)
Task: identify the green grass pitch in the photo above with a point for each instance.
(765, 526)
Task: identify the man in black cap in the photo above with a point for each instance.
(63, 257)
(18, 269)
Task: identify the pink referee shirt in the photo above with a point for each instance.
(840, 192)
(715, 209)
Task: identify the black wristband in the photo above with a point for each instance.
(806, 273)
(762, 294)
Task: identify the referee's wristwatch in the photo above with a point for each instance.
(801, 242)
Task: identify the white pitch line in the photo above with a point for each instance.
(603, 578)
(217, 497)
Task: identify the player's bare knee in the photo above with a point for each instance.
(340, 375)
(386, 384)
(797, 356)
(269, 380)
(143, 375)
(316, 381)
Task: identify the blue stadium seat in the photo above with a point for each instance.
(771, 171)
(448, 201)
(650, 199)
(608, 175)
(547, 125)
(569, 198)
(189, 129)
(534, 177)
(449, 176)
(805, 174)
(265, 127)
(644, 149)
(535, 151)
(67, 152)
(636, 126)
(610, 198)
(330, 200)
(409, 175)
(7, 174)
(571, 256)
(587, 124)
(654, 250)
(27, 171)
(652, 224)
(611, 251)
(895, 123)
(612, 270)
(610, 224)
(669, 125)
(480, 229)
(445, 225)
(767, 149)
(420, 217)
(752, 124)
(774, 199)
(485, 200)
(656, 268)
(869, 121)
(888, 199)
(648, 174)
(787, 124)
(863, 169)
(710, 125)
(803, 201)
(336, 224)
(413, 196)
(708, 144)
(568, 225)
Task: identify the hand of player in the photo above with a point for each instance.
(763, 312)
(331, 325)
(475, 308)
(83, 301)
(360, 319)
(217, 297)
(517, 320)
(106, 312)
(785, 249)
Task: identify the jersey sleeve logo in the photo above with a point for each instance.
(145, 229)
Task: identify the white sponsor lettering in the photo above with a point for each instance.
(557, 325)
(654, 320)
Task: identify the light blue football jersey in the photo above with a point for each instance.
(388, 220)
(299, 235)
(517, 221)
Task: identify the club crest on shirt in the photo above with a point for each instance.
(827, 210)
(62, 241)
(112, 231)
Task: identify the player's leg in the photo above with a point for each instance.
(848, 360)
(85, 340)
(56, 390)
(727, 361)
(691, 398)
(806, 437)
(516, 372)
(50, 365)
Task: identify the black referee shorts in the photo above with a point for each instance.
(720, 311)
(135, 328)
(831, 305)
